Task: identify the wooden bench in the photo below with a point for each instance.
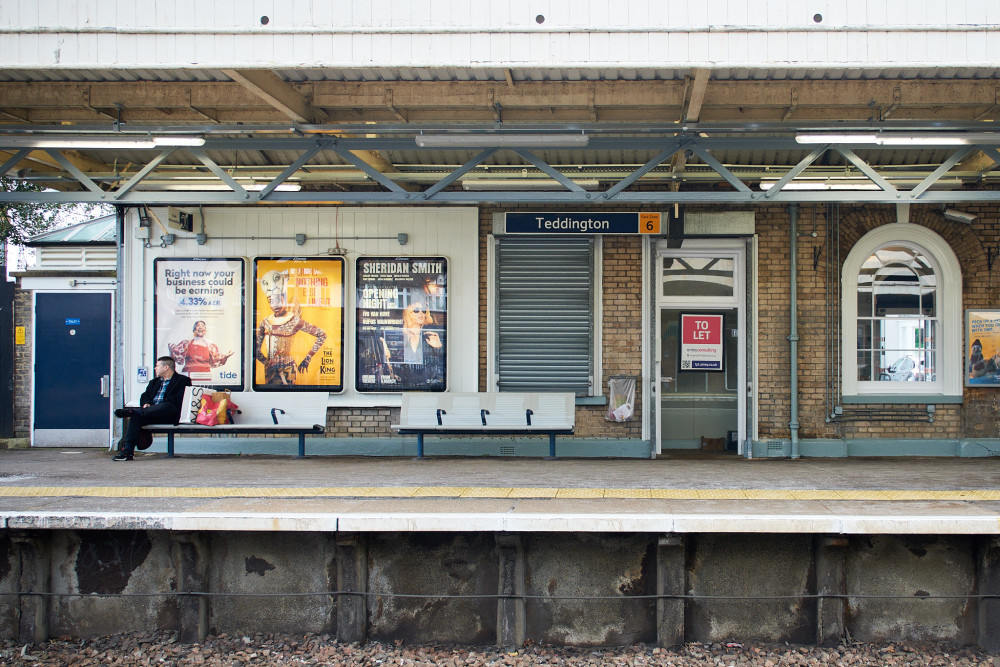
(503, 413)
(292, 413)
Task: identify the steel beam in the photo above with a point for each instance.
(657, 187)
(657, 197)
(292, 168)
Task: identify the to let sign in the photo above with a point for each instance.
(701, 342)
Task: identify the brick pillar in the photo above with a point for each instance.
(989, 584)
(671, 579)
(34, 555)
(510, 610)
(191, 562)
(831, 579)
(352, 577)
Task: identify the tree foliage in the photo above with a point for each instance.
(19, 222)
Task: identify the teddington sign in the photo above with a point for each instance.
(581, 223)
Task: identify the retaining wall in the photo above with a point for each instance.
(484, 588)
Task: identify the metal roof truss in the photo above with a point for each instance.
(862, 182)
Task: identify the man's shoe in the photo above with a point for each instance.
(125, 412)
(123, 456)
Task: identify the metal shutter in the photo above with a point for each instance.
(545, 314)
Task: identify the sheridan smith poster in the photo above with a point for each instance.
(402, 323)
(199, 314)
(298, 324)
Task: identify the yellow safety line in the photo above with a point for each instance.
(492, 492)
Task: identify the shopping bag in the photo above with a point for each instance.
(208, 413)
(225, 408)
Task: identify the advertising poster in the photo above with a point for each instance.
(402, 323)
(298, 342)
(199, 314)
(982, 353)
(701, 342)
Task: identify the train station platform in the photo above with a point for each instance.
(675, 493)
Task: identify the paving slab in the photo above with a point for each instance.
(83, 488)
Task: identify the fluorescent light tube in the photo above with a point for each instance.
(179, 141)
(820, 185)
(523, 184)
(189, 186)
(98, 142)
(857, 184)
(469, 140)
(830, 138)
(900, 138)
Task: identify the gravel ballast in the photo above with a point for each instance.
(228, 650)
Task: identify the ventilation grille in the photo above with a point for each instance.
(776, 448)
(508, 450)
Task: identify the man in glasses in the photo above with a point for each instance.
(161, 404)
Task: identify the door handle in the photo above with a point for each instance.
(106, 386)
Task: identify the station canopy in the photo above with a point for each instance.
(493, 135)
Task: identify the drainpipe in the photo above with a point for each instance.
(793, 335)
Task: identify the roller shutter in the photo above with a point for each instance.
(545, 297)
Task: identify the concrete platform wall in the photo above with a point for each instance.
(483, 588)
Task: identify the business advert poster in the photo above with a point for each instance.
(402, 323)
(982, 343)
(199, 314)
(298, 308)
(701, 342)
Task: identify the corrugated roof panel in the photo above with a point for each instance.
(497, 74)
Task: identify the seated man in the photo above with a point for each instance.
(161, 404)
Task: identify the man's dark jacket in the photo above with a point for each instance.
(173, 396)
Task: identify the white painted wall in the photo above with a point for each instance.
(210, 34)
(259, 231)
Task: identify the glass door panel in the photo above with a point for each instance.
(699, 409)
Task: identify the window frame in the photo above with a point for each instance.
(948, 302)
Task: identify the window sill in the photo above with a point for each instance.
(591, 400)
(909, 399)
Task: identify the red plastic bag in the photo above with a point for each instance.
(208, 413)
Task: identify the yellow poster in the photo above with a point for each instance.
(298, 323)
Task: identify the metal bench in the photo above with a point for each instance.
(291, 413)
(503, 413)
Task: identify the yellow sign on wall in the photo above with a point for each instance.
(19, 335)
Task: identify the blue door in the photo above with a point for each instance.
(72, 370)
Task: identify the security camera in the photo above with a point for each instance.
(959, 216)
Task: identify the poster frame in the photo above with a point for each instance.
(359, 321)
(231, 386)
(680, 342)
(331, 388)
(990, 379)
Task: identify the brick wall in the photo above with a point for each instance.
(977, 417)
(621, 296)
(622, 329)
(361, 422)
(622, 323)
(22, 364)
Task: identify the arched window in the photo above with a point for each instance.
(902, 316)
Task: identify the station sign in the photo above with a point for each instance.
(592, 223)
